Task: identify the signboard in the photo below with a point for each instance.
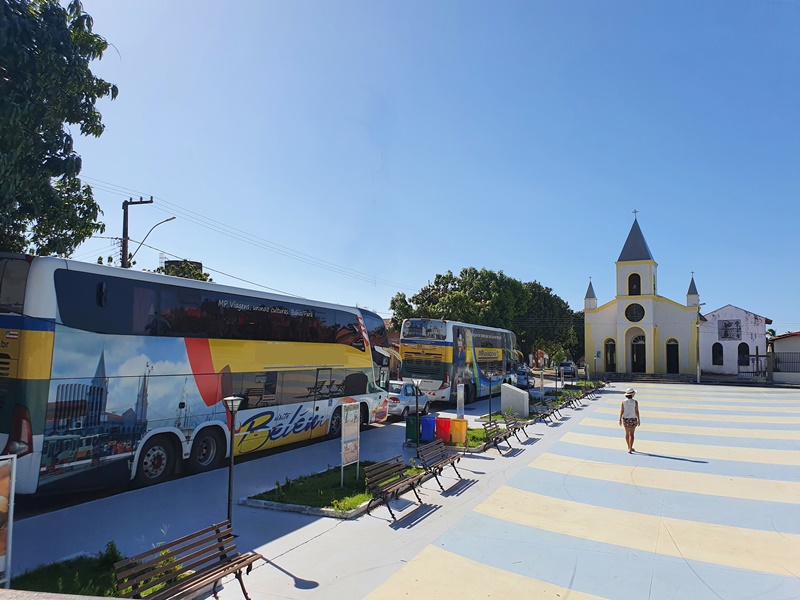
(8, 466)
(351, 427)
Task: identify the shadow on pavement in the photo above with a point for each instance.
(703, 462)
(299, 582)
(461, 486)
(423, 511)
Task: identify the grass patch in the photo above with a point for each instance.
(84, 576)
(323, 490)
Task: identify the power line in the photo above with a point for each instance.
(248, 238)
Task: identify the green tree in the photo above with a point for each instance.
(771, 332)
(185, 269)
(45, 84)
(540, 319)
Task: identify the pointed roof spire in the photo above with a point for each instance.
(692, 287)
(635, 247)
(590, 291)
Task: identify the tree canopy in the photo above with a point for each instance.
(46, 85)
(540, 319)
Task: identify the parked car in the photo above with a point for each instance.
(570, 368)
(523, 379)
(402, 400)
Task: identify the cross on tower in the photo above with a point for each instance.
(634, 214)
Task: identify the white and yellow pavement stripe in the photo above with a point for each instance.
(713, 399)
(749, 455)
(750, 408)
(760, 434)
(765, 490)
(423, 577)
(736, 547)
(708, 417)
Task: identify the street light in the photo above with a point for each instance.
(232, 404)
(128, 260)
(489, 374)
(416, 413)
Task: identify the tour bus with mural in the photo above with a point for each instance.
(438, 355)
(110, 375)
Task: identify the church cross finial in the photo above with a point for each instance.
(692, 274)
(634, 214)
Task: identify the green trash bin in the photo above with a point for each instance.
(412, 428)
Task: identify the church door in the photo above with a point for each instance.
(638, 364)
(672, 356)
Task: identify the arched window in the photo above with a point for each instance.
(744, 354)
(610, 347)
(716, 354)
(634, 285)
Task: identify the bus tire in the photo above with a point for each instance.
(335, 426)
(364, 415)
(156, 461)
(208, 449)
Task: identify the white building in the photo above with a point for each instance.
(732, 341)
(786, 365)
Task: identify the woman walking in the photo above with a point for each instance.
(629, 417)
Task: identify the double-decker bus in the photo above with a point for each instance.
(440, 354)
(110, 375)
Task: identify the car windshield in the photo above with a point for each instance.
(395, 388)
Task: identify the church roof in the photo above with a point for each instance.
(635, 247)
(590, 292)
(692, 288)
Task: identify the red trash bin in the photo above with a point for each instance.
(443, 429)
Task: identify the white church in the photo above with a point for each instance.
(641, 332)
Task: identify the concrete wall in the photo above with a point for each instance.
(752, 332)
(514, 399)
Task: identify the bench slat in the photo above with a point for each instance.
(185, 564)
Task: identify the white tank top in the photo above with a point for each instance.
(629, 408)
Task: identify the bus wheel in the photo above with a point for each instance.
(364, 415)
(335, 427)
(156, 462)
(207, 450)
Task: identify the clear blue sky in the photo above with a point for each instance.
(345, 151)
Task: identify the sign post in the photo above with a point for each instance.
(351, 427)
(8, 467)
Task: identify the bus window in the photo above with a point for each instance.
(13, 275)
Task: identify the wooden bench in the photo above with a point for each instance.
(513, 424)
(387, 480)
(185, 566)
(543, 412)
(495, 435)
(435, 457)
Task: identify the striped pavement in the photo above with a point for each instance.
(707, 507)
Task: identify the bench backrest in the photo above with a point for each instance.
(381, 473)
(168, 562)
(492, 429)
(431, 451)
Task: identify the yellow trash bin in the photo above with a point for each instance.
(458, 431)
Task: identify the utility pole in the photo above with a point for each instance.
(125, 205)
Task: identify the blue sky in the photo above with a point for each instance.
(345, 151)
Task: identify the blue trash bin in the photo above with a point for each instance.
(428, 429)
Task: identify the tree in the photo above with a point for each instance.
(45, 84)
(538, 317)
(185, 269)
(771, 332)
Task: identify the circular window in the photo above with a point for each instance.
(634, 313)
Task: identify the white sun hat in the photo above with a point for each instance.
(630, 392)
